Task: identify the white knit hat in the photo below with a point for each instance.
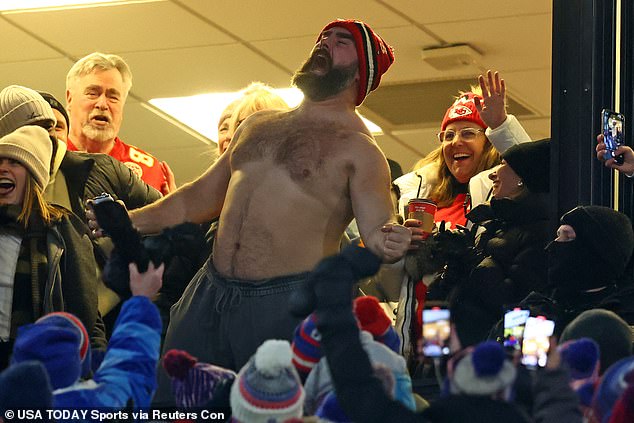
(20, 106)
(268, 388)
(32, 147)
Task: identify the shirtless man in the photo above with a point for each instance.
(287, 187)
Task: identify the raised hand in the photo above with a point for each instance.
(628, 157)
(492, 109)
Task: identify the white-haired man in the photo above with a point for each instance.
(97, 87)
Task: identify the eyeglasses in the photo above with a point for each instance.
(467, 134)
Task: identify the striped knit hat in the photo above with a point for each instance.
(193, 383)
(268, 388)
(306, 346)
(375, 55)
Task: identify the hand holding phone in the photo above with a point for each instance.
(613, 124)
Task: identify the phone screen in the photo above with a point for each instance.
(436, 330)
(536, 341)
(613, 132)
(514, 321)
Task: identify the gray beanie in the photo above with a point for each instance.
(32, 147)
(607, 329)
(20, 106)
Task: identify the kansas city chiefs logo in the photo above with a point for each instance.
(459, 110)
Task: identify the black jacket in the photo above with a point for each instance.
(512, 245)
(88, 175)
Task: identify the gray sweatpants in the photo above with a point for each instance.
(223, 321)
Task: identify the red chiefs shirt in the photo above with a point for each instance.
(452, 215)
(146, 166)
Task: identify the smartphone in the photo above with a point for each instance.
(514, 322)
(436, 331)
(613, 133)
(536, 341)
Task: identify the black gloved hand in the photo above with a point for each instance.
(455, 247)
(331, 282)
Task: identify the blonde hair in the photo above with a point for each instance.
(257, 96)
(34, 201)
(101, 62)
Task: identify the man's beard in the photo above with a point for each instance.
(106, 133)
(320, 87)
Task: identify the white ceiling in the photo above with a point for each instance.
(186, 47)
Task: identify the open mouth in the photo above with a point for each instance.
(321, 61)
(101, 119)
(461, 156)
(6, 186)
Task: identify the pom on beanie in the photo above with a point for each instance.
(582, 357)
(372, 318)
(375, 55)
(193, 384)
(484, 371)
(268, 387)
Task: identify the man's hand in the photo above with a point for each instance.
(146, 284)
(628, 157)
(418, 234)
(95, 229)
(170, 181)
(492, 109)
(396, 241)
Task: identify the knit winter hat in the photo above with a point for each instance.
(531, 162)
(463, 109)
(605, 232)
(611, 333)
(582, 358)
(55, 104)
(32, 147)
(268, 388)
(25, 386)
(485, 371)
(319, 382)
(613, 383)
(59, 341)
(193, 383)
(306, 346)
(375, 55)
(20, 106)
(372, 318)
